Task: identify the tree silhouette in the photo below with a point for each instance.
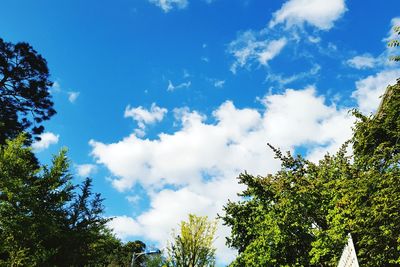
(25, 101)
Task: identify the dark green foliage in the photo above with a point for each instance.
(301, 215)
(25, 101)
(44, 219)
(122, 256)
(395, 43)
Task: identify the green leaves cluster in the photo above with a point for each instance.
(301, 215)
(395, 43)
(25, 101)
(192, 246)
(44, 219)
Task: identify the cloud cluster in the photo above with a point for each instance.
(184, 171)
(46, 139)
(144, 116)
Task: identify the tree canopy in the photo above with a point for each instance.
(192, 246)
(25, 101)
(45, 220)
(301, 215)
(395, 43)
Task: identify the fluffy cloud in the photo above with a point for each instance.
(85, 170)
(184, 171)
(319, 13)
(370, 89)
(168, 5)
(144, 116)
(46, 139)
(124, 226)
(247, 50)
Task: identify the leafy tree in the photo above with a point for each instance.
(122, 256)
(301, 215)
(193, 245)
(395, 43)
(44, 219)
(25, 101)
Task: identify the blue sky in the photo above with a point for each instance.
(165, 102)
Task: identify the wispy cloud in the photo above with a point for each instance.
(168, 5)
(73, 96)
(248, 50)
(282, 80)
(171, 87)
(219, 83)
(365, 61)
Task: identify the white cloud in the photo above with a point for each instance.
(85, 170)
(72, 96)
(247, 50)
(282, 81)
(319, 13)
(362, 62)
(391, 34)
(219, 83)
(124, 226)
(46, 139)
(370, 89)
(200, 158)
(56, 88)
(172, 87)
(168, 5)
(144, 116)
(205, 59)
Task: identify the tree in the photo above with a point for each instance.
(193, 245)
(395, 43)
(283, 218)
(44, 219)
(25, 101)
(301, 215)
(122, 256)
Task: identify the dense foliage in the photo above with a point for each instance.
(25, 101)
(301, 215)
(44, 218)
(192, 246)
(395, 43)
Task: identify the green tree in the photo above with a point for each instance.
(122, 256)
(395, 43)
(25, 101)
(192, 246)
(44, 219)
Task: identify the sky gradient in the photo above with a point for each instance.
(164, 102)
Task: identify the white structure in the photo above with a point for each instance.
(349, 256)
